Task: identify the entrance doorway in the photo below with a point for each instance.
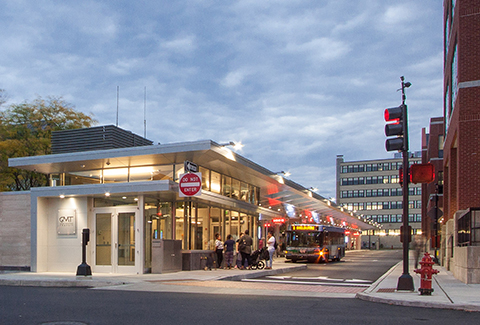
(115, 239)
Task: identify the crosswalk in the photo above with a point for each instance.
(320, 281)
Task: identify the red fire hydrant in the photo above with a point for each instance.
(426, 272)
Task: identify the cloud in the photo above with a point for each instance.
(298, 82)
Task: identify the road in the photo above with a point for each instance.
(35, 305)
(360, 267)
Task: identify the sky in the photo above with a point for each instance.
(297, 82)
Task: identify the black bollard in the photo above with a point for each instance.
(84, 269)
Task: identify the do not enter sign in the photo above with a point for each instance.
(190, 184)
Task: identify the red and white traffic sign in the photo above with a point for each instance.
(190, 184)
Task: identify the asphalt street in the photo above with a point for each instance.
(35, 305)
(361, 267)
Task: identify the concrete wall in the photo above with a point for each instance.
(15, 230)
(466, 264)
(59, 253)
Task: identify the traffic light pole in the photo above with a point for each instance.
(405, 282)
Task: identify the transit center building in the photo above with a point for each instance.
(125, 190)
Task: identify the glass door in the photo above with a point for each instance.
(115, 239)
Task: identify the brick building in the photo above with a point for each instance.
(462, 136)
(432, 193)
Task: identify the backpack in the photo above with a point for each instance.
(242, 244)
(275, 245)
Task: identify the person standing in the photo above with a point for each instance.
(245, 248)
(229, 244)
(271, 249)
(219, 250)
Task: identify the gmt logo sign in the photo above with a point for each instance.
(66, 222)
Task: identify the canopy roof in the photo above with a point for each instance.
(275, 189)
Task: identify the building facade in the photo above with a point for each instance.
(130, 200)
(432, 193)
(372, 189)
(462, 138)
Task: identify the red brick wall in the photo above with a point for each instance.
(462, 142)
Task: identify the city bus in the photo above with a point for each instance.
(314, 243)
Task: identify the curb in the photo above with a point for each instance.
(56, 283)
(406, 303)
(259, 274)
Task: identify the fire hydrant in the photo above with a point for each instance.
(426, 272)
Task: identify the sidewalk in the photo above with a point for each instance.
(98, 280)
(449, 293)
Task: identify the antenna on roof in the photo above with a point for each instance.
(145, 113)
(118, 89)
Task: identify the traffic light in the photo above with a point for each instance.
(422, 173)
(395, 115)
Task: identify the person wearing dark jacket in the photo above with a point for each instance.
(245, 248)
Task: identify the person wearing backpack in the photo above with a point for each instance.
(245, 247)
(271, 246)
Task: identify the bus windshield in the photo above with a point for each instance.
(304, 239)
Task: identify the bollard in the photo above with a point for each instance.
(84, 269)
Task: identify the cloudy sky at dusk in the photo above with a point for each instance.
(297, 82)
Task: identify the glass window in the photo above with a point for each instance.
(180, 223)
(205, 178)
(215, 186)
(151, 173)
(115, 175)
(454, 76)
(235, 189)
(227, 186)
(243, 192)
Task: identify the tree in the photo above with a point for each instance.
(26, 130)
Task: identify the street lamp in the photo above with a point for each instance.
(236, 145)
(286, 174)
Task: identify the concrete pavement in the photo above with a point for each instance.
(448, 293)
(99, 280)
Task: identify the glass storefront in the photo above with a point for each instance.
(194, 223)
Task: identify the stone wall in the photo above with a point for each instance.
(15, 231)
(466, 264)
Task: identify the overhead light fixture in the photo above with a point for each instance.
(62, 196)
(236, 145)
(107, 194)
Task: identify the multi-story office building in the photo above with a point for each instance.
(462, 143)
(372, 188)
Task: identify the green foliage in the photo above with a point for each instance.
(26, 130)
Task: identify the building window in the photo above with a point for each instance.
(394, 179)
(448, 108)
(454, 76)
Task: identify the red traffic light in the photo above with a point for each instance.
(422, 173)
(393, 114)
